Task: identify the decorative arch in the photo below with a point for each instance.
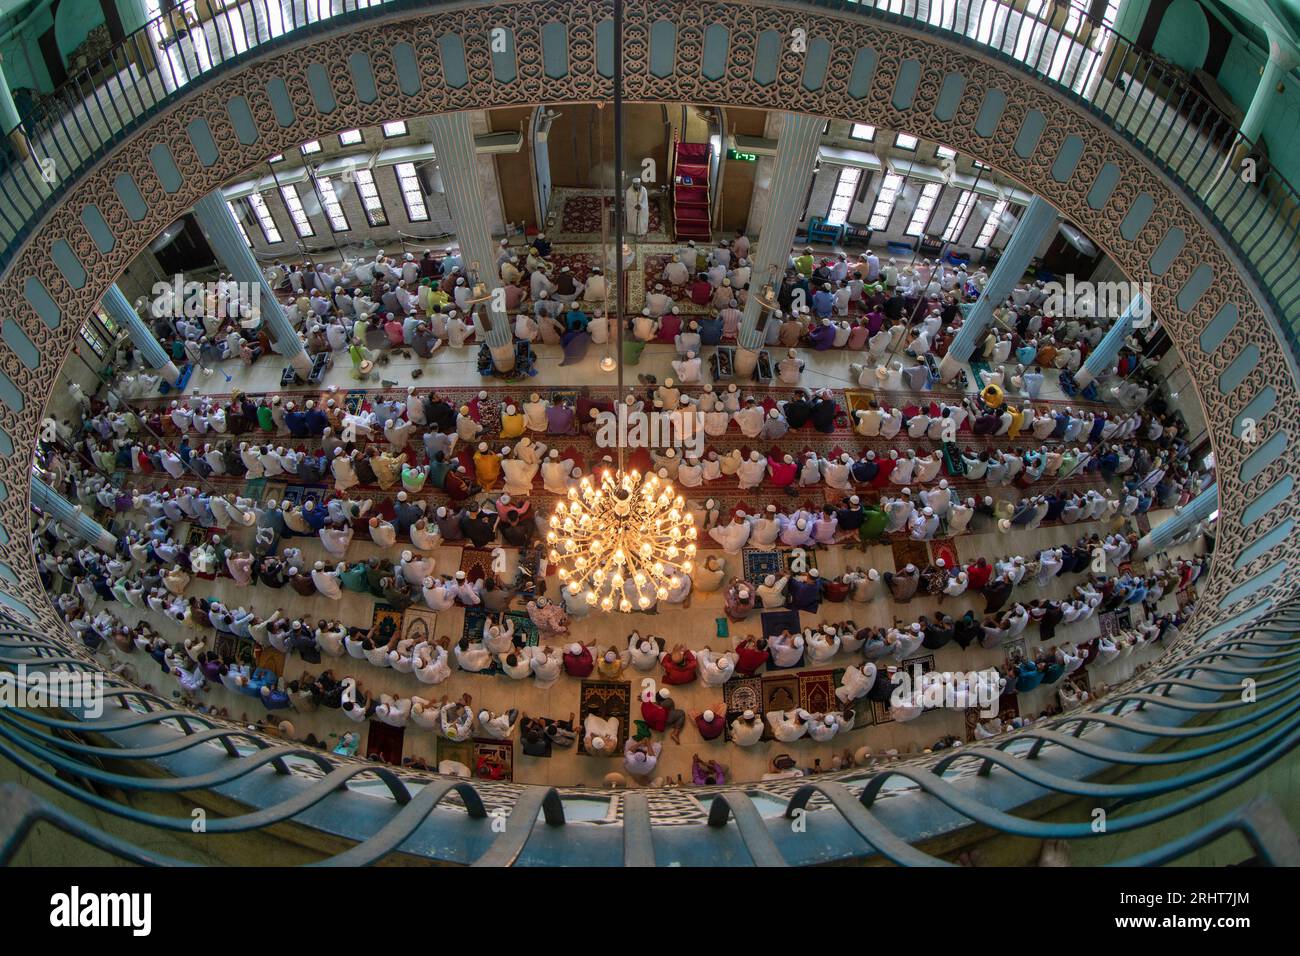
(865, 69)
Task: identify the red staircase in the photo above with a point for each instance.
(691, 199)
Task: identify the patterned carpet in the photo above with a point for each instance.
(581, 214)
(607, 699)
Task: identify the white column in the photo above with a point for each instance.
(453, 149)
(71, 517)
(1035, 225)
(1103, 356)
(222, 232)
(796, 155)
(121, 311)
(1191, 514)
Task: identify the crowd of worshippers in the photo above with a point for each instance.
(420, 442)
(142, 574)
(822, 302)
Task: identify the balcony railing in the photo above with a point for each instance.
(1186, 718)
(1145, 98)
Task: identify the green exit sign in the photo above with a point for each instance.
(743, 157)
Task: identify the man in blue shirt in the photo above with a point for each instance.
(575, 320)
(710, 330)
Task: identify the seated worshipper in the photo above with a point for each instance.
(661, 714)
(740, 599)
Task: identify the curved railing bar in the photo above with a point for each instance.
(21, 810)
(1134, 758)
(877, 836)
(753, 831)
(222, 735)
(315, 793)
(1261, 823)
(1033, 771)
(978, 812)
(638, 838)
(406, 821)
(232, 772)
(505, 849)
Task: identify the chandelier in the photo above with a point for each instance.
(623, 531)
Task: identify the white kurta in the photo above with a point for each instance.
(636, 202)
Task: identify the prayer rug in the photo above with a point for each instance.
(774, 622)
(418, 624)
(473, 629)
(798, 560)
(527, 580)
(584, 214)
(759, 564)
(354, 399)
(296, 494)
(945, 548)
(1016, 650)
(494, 759)
(1109, 624)
(817, 692)
(607, 699)
(858, 399)
(386, 742)
(780, 692)
(255, 489)
(906, 551)
(1143, 521)
(488, 415)
(476, 563)
(972, 717)
(880, 710)
(272, 660)
(1008, 707)
(862, 715)
(457, 751)
(1186, 596)
(741, 694)
(387, 621)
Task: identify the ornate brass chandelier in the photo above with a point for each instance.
(618, 541)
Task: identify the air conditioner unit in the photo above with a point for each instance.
(508, 142)
(758, 145)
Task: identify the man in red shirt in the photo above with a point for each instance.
(661, 714)
(578, 661)
(978, 574)
(752, 653)
(710, 723)
(701, 291)
(679, 665)
(783, 472)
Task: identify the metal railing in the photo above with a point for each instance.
(1146, 99)
(1186, 718)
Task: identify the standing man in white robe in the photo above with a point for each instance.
(636, 202)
